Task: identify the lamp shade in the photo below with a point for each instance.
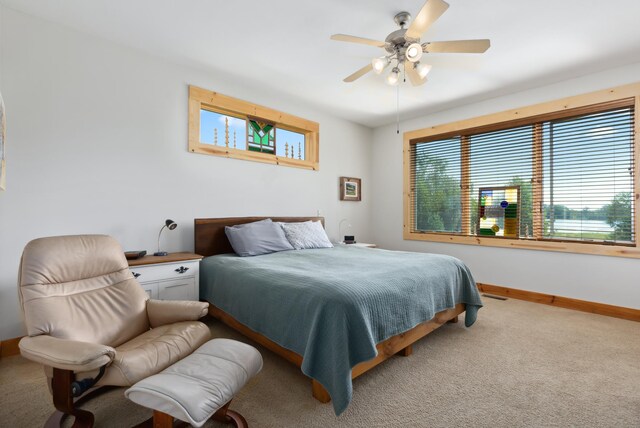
(423, 70)
(413, 52)
(169, 224)
(394, 77)
(379, 64)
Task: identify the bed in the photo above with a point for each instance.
(334, 312)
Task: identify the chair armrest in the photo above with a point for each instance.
(66, 354)
(163, 312)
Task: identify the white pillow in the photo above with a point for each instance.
(308, 234)
(259, 237)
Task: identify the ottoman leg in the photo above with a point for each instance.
(228, 416)
(224, 415)
(161, 420)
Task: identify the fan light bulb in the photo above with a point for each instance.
(423, 70)
(379, 64)
(394, 77)
(414, 52)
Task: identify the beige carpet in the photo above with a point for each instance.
(521, 364)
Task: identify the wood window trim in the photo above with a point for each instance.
(627, 94)
(213, 101)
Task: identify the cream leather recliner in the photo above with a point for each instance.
(87, 317)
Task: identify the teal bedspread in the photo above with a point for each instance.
(333, 305)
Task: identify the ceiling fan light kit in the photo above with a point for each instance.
(414, 52)
(403, 46)
(394, 77)
(422, 69)
(379, 64)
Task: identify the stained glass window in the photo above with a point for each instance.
(261, 136)
(220, 125)
(498, 213)
(228, 131)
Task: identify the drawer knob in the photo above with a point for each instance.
(136, 274)
(182, 269)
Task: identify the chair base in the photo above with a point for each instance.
(224, 415)
(83, 419)
(65, 403)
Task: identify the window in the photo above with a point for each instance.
(555, 180)
(588, 172)
(436, 177)
(224, 126)
(220, 129)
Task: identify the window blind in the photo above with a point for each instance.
(573, 172)
(435, 178)
(588, 177)
(499, 159)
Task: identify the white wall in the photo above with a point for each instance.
(97, 143)
(611, 280)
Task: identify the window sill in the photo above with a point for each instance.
(524, 244)
(230, 152)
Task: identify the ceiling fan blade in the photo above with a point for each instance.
(414, 77)
(457, 46)
(358, 74)
(430, 12)
(354, 39)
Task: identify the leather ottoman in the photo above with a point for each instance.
(199, 386)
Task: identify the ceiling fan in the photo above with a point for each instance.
(403, 46)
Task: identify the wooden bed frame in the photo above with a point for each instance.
(210, 240)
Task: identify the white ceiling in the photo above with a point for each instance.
(284, 44)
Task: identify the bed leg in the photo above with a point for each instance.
(453, 320)
(318, 392)
(405, 352)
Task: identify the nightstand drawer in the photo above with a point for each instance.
(166, 271)
(178, 289)
(175, 276)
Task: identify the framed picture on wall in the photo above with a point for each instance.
(350, 189)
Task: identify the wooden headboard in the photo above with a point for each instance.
(210, 238)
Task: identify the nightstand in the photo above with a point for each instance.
(360, 244)
(175, 276)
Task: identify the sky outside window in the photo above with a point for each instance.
(211, 121)
(294, 139)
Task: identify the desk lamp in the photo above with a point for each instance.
(169, 224)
